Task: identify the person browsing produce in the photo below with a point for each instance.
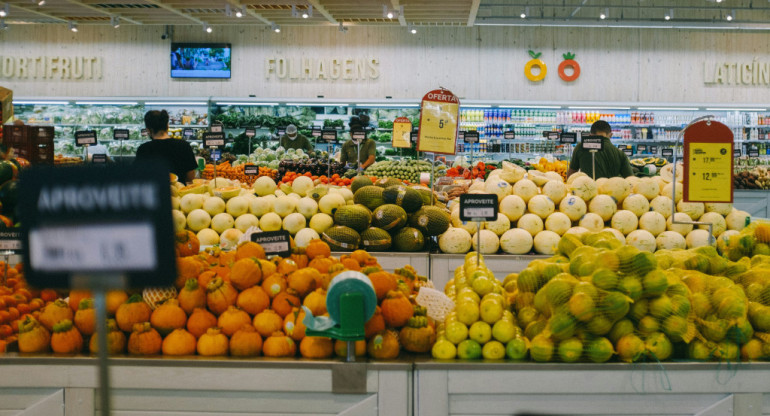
(350, 149)
(176, 155)
(609, 162)
(293, 140)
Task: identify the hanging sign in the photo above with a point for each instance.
(10, 240)
(568, 138)
(358, 136)
(414, 136)
(329, 135)
(85, 138)
(216, 128)
(99, 158)
(145, 133)
(251, 170)
(402, 129)
(280, 131)
(188, 133)
(120, 134)
(737, 152)
(753, 151)
(667, 152)
(250, 132)
(629, 150)
(439, 113)
(641, 148)
(708, 163)
(552, 135)
(654, 149)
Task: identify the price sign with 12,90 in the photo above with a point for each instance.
(708, 163)
(478, 207)
(85, 138)
(402, 129)
(439, 113)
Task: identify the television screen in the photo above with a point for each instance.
(200, 60)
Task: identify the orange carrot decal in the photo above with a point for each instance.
(569, 62)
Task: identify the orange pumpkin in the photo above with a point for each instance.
(384, 345)
(133, 311)
(226, 258)
(317, 248)
(232, 320)
(267, 322)
(33, 336)
(293, 324)
(396, 309)
(375, 324)
(303, 280)
(322, 264)
(54, 312)
(316, 302)
(76, 296)
(350, 264)
(191, 296)
(316, 347)
(285, 301)
(246, 342)
(249, 249)
(168, 317)
(341, 348)
(246, 273)
(383, 283)
(179, 342)
(206, 277)
(286, 266)
(85, 317)
(279, 345)
(213, 343)
(417, 335)
(253, 300)
(200, 321)
(66, 339)
(187, 268)
(144, 340)
(274, 284)
(220, 295)
(116, 340)
(361, 256)
(186, 243)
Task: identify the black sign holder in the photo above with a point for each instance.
(358, 137)
(249, 132)
(10, 244)
(476, 207)
(212, 140)
(120, 135)
(471, 137)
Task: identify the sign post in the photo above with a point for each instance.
(330, 137)
(439, 112)
(593, 144)
(358, 136)
(478, 207)
(85, 138)
(120, 135)
(214, 141)
(471, 137)
(250, 132)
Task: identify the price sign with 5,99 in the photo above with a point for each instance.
(708, 163)
(438, 122)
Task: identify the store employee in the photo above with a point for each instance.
(294, 140)
(610, 161)
(350, 150)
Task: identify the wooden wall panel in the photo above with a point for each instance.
(475, 63)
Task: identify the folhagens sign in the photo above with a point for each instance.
(321, 69)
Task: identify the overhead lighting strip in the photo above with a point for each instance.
(555, 107)
(41, 102)
(669, 108)
(735, 109)
(245, 104)
(106, 102)
(175, 103)
(599, 108)
(318, 104)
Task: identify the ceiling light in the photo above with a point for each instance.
(115, 21)
(73, 26)
(731, 16)
(5, 10)
(308, 12)
(275, 28)
(207, 28)
(719, 1)
(317, 104)
(40, 102)
(598, 108)
(525, 13)
(181, 103)
(239, 13)
(669, 108)
(40, 3)
(412, 29)
(246, 104)
(605, 13)
(669, 15)
(106, 103)
(734, 109)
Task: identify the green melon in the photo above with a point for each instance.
(359, 182)
(424, 192)
(357, 217)
(387, 182)
(430, 220)
(375, 239)
(407, 198)
(389, 217)
(370, 196)
(341, 238)
(408, 239)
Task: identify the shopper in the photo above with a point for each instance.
(176, 155)
(293, 140)
(609, 162)
(358, 151)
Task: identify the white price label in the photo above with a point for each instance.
(479, 212)
(277, 247)
(12, 245)
(93, 248)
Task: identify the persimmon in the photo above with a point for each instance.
(36, 304)
(5, 331)
(48, 295)
(14, 313)
(24, 308)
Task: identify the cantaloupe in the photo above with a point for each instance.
(545, 242)
(624, 221)
(663, 205)
(648, 187)
(525, 189)
(593, 222)
(669, 240)
(573, 206)
(699, 238)
(604, 206)
(558, 222)
(556, 190)
(513, 207)
(490, 243)
(737, 220)
(516, 241)
(455, 241)
(653, 222)
(499, 226)
(693, 209)
(531, 223)
(636, 203)
(616, 187)
(541, 205)
(719, 225)
(641, 239)
(583, 187)
(683, 229)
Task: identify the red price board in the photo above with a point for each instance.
(439, 115)
(708, 162)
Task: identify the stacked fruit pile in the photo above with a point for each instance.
(477, 172)
(558, 166)
(537, 208)
(237, 173)
(757, 178)
(236, 303)
(288, 179)
(404, 170)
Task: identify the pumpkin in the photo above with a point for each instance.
(76, 296)
(285, 301)
(200, 321)
(246, 342)
(361, 256)
(316, 302)
(191, 296)
(303, 281)
(133, 311)
(179, 342)
(350, 264)
(267, 322)
(293, 324)
(316, 347)
(396, 309)
(232, 320)
(279, 345)
(246, 273)
(220, 295)
(384, 345)
(33, 336)
(375, 324)
(322, 264)
(213, 343)
(253, 300)
(226, 258)
(317, 248)
(144, 340)
(66, 339)
(85, 317)
(168, 317)
(114, 299)
(383, 282)
(299, 257)
(186, 243)
(249, 249)
(341, 348)
(417, 335)
(206, 277)
(54, 312)
(116, 340)
(274, 284)
(268, 267)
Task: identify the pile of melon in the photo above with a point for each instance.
(537, 208)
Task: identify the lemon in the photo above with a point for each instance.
(621, 328)
(490, 310)
(504, 331)
(661, 306)
(483, 285)
(630, 348)
(493, 350)
(605, 279)
(443, 349)
(728, 351)
(541, 348)
(638, 309)
(752, 350)
(658, 347)
(648, 324)
(469, 350)
(582, 306)
(480, 332)
(570, 350)
(456, 332)
(535, 328)
(599, 325)
(631, 286)
(467, 312)
(701, 351)
(675, 327)
(517, 348)
(528, 315)
(700, 304)
(599, 350)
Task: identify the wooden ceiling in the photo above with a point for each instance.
(373, 12)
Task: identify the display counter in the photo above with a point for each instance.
(442, 266)
(755, 202)
(391, 260)
(53, 386)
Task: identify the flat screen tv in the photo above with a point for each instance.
(200, 60)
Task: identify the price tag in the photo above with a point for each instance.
(553, 135)
(592, 143)
(401, 136)
(216, 155)
(471, 137)
(329, 135)
(216, 128)
(211, 139)
(251, 170)
(414, 136)
(85, 137)
(316, 131)
(667, 152)
(145, 133)
(120, 223)
(280, 131)
(641, 148)
(737, 152)
(509, 135)
(358, 136)
(568, 138)
(275, 243)
(753, 152)
(654, 149)
(479, 207)
(708, 163)
(628, 150)
(439, 113)
(120, 134)
(99, 158)
(250, 132)
(545, 134)
(188, 133)
(10, 241)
